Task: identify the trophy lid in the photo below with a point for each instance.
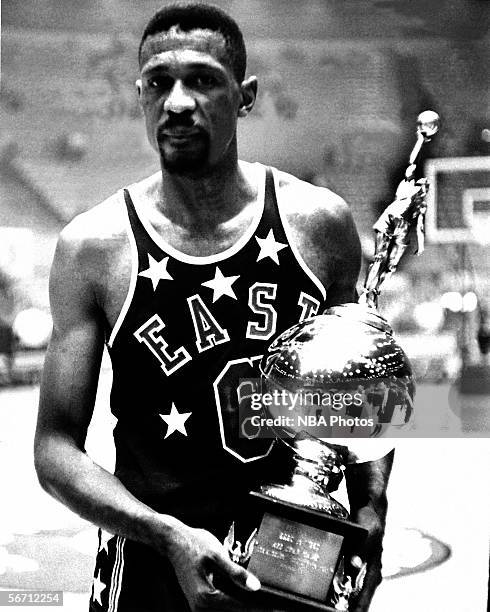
(362, 314)
(343, 346)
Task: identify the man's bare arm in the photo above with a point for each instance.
(346, 258)
(67, 398)
(366, 487)
(325, 235)
(66, 405)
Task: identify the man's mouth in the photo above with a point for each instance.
(179, 129)
(180, 134)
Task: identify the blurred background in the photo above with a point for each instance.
(341, 83)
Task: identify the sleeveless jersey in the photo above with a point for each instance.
(190, 331)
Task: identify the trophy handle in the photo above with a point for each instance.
(404, 213)
(343, 587)
(234, 547)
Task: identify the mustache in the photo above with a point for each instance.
(181, 120)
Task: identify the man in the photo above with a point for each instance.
(187, 276)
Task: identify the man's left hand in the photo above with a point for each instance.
(366, 486)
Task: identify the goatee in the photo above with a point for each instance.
(189, 162)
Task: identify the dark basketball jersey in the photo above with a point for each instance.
(191, 329)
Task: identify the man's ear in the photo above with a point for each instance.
(248, 90)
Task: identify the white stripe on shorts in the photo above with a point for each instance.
(116, 579)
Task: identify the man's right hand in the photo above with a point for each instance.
(200, 561)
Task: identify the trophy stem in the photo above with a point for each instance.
(315, 463)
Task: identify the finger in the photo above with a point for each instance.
(239, 575)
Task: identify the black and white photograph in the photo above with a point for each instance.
(244, 305)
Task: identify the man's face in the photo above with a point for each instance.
(190, 99)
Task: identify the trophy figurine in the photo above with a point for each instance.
(304, 540)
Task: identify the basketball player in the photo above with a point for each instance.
(187, 276)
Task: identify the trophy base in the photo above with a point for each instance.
(273, 598)
(297, 553)
(291, 601)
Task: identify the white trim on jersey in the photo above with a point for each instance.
(203, 260)
(132, 282)
(294, 249)
(116, 579)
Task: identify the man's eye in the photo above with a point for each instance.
(159, 82)
(204, 80)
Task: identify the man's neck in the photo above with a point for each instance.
(209, 200)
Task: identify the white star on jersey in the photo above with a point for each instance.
(221, 285)
(105, 537)
(269, 247)
(156, 271)
(99, 586)
(175, 421)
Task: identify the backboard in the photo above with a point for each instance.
(458, 202)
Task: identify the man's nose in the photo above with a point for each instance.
(179, 100)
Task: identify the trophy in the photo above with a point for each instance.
(303, 542)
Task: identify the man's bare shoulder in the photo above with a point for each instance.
(99, 224)
(323, 231)
(311, 203)
(108, 221)
(311, 207)
(93, 256)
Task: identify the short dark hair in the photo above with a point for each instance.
(195, 15)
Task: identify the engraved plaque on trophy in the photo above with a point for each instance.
(295, 556)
